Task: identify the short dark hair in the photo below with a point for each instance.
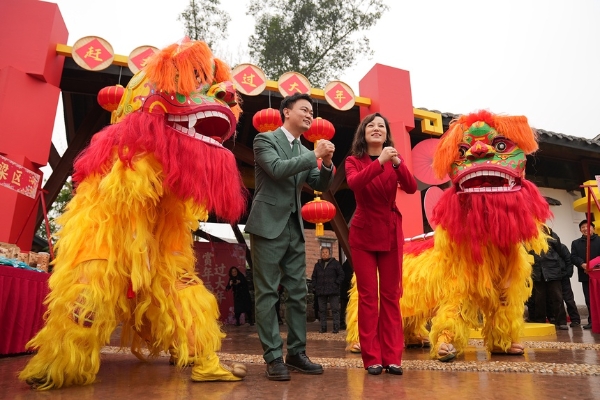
(584, 222)
(359, 143)
(289, 101)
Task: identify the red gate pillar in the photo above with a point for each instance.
(30, 73)
(390, 94)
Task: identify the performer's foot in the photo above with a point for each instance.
(445, 352)
(394, 369)
(210, 369)
(375, 369)
(36, 383)
(354, 348)
(515, 349)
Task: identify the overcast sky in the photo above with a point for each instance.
(538, 58)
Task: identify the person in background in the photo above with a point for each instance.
(578, 256)
(242, 304)
(374, 171)
(567, 293)
(327, 277)
(547, 272)
(282, 166)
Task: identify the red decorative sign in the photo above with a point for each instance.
(18, 178)
(249, 79)
(293, 82)
(139, 57)
(339, 95)
(92, 53)
(213, 261)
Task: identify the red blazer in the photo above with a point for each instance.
(376, 214)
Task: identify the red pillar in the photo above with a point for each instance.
(30, 73)
(390, 94)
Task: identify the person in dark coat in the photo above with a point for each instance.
(241, 295)
(578, 255)
(327, 277)
(568, 296)
(547, 273)
(344, 292)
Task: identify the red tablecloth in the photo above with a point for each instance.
(22, 294)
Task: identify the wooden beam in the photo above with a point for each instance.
(338, 223)
(208, 236)
(54, 158)
(241, 240)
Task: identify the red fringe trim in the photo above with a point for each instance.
(193, 169)
(500, 220)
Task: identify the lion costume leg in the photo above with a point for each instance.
(80, 320)
(449, 332)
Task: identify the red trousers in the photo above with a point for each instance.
(379, 319)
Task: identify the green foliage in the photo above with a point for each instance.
(205, 20)
(318, 38)
(58, 208)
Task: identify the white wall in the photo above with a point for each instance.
(566, 225)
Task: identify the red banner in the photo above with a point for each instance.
(18, 178)
(213, 261)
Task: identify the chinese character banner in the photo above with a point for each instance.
(18, 178)
(213, 261)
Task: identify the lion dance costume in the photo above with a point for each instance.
(124, 254)
(476, 265)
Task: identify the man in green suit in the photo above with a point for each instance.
(282, 166)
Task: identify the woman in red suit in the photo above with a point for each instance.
(374, 171)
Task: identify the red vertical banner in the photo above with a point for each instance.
(213, 261)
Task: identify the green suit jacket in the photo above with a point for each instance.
(279, 178)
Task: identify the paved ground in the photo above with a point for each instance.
(561, 367)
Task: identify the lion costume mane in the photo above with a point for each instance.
(124, 254)
(476, 265)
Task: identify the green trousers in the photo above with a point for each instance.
(280, 261)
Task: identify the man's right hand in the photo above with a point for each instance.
(324, 149)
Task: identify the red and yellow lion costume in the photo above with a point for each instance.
(476, 265)
(124, 254)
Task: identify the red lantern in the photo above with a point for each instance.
(318, 211)
(110, 96)
(319, 129)
(267, 120)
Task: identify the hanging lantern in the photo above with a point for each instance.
(318, 212)
(319, 129)
(267, 120)
(110, 96)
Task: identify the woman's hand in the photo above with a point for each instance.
(387, 154)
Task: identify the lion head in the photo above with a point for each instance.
(490, 201)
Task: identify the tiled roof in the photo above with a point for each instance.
(547, 136)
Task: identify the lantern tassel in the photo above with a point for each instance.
(319, 229)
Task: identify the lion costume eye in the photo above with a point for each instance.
(502, 145)
(462, 150)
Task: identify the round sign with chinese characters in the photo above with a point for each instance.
(139, 57)
(249, 79)
(92, 53)
(339, 95)
(293, 82)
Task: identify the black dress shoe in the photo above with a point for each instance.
(375, 369)
(323, 330)
(575, 324)
(394, 369)
(301, 363)
(587, 326)
(277, 371)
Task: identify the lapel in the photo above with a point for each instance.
(379, 181)
(283, 143)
